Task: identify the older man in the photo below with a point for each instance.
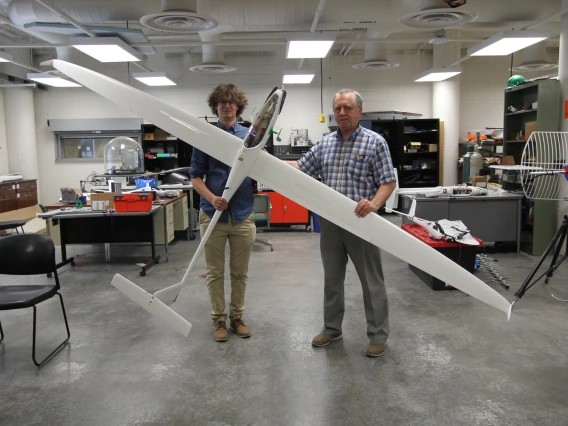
(355, 162)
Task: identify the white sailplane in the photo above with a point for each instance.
(279, 176)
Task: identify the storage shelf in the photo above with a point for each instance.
(515, 141)
(420, 153)
(421, 133)
(521, 112)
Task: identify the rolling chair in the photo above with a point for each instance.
(262, 216)
(29, 254)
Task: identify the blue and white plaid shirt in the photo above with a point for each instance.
(356, 167)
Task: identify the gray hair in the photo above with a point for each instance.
(358, 98)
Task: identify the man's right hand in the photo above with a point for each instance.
(219, 203)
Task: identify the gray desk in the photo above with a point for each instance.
(489, 217)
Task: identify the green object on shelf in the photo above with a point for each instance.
(515, 80)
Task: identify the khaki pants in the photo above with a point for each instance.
(241, 238)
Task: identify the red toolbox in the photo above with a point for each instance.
(462, 254)
(133, 202)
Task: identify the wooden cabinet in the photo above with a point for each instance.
(8, 197)
(162, 151)
(17, 195)
(414, 147)
(286, 212)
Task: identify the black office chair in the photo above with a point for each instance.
(262, 216)
(13, 224)
(29, 254)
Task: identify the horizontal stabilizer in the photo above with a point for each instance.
(152, 304)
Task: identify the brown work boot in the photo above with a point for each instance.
(220, 331)
(323, 339)
(376, 349)
(239, 327)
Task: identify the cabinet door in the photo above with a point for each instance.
(27, 199)
(8, 201)
(293, 212)
(277, 212)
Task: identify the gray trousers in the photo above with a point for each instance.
(335, 245)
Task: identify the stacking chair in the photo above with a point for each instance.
(29, 254)
(262, 216)
(13, 224)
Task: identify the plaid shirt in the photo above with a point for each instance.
(356, 167)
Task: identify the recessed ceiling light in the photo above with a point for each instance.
(154, 78)
(51, 80)
(507, 42)
(5, 57)
(106, 49)
(437, 74)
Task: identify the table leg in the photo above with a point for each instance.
(165, 232)
(519, 220)
(64, 260)
(107, 252)
(155, 259)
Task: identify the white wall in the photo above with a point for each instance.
(482, 87)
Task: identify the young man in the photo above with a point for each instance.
(236, 224)
(356, 162)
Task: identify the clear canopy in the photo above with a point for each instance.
(123, 155)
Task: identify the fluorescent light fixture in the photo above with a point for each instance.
(106, 49)
(154, 78)
(507, 42)
(298, 77)
(437, 74)
(5, 57)
(313, 45)
(51, 80)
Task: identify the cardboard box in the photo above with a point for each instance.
(102, 201)
(161, 135)
(529, 128)
(148, 136)
(480, 181)
(432, 147)
(509, 160)
(34, 225)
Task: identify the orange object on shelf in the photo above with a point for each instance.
(471, 137)
(133, 203)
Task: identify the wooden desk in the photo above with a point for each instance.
(83, 226)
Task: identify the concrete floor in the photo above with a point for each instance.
(451, 359)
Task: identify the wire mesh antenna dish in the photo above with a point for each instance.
(544, 171)
(544, 176)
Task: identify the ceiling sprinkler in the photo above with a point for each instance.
(439, 37)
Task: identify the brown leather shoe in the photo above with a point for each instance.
(376, 349)
(239, 327)
(323, 339)
(220, 331)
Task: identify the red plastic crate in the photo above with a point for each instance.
(462, 254)
(423, 235)
(133, 203)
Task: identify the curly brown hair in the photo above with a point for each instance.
(231, 91)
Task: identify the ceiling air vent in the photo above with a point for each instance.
(437, 18)
(213, 68)
(535, 66)
(179, 22)
(375, 65)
